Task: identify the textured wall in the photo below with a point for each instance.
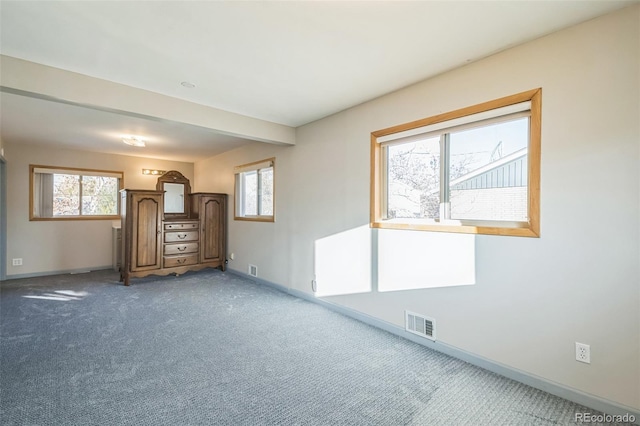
(531, 298)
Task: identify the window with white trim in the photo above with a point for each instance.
(254, 191)
(474, 170)
(61, 193)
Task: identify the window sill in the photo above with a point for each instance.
(63, 218)
(514, 229)
(255, 218)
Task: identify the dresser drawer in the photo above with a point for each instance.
(178, 226)
(173, 261)
(180, 236)
(180, 248)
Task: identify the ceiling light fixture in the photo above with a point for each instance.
(133, 141)
(188, 85)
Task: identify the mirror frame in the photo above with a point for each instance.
(174, 176)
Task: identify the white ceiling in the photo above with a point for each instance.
(284, 62)
(31, 119)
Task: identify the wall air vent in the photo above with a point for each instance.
(420, 325)
(253, 270)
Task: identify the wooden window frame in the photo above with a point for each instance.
(237, 188)
(75, 170)
(531, 228)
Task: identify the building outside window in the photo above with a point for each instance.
(474, 170)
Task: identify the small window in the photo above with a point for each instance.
(474, 170)
(255, 199)
(59, 193)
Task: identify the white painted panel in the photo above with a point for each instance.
(413, 260)
(343, 263)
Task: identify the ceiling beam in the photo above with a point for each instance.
(36, 80)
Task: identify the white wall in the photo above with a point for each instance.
(52, 246)
(216, 175)
(532, 298)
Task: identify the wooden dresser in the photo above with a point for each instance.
(180, 243)
(161, 243)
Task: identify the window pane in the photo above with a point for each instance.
(266, 191)
(488, 172)
(66, 195)
(250, 193)
(413, 185)
(61, 193)
(99, 195)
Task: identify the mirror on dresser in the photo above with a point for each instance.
(171, 230)
(176, 189)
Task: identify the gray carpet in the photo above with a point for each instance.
(212, 348)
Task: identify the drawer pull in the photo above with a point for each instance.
(181, 248)
(182, 236)
(180, 261)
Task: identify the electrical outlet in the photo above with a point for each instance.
(232, 256)
(583, 353)
(16, 262)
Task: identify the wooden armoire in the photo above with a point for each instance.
(171, 230)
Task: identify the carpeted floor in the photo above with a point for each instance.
(212, 348)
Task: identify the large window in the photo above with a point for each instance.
(255, 199)
(59, 193)
(474, 170)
